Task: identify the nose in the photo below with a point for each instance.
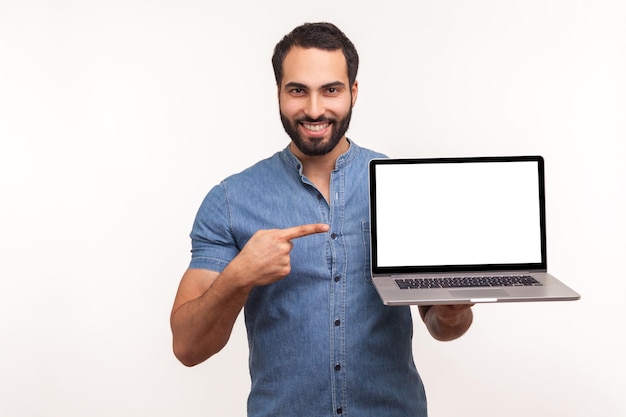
(315, 106)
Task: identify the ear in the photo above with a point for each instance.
(355, 92)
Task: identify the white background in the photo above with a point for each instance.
(116, 117)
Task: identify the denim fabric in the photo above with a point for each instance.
(321, 341)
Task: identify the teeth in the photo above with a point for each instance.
(315, 127)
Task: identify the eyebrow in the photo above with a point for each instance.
(294, 84)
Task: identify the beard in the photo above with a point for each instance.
(316, 146)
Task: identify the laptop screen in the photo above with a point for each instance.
(453, 214)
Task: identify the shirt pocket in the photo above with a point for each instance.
(365, 234)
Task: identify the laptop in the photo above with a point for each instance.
(460, 230)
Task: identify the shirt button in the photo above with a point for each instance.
(337, 367)
(339, 411)
(333, 236)
(337, 278)
(337, 322)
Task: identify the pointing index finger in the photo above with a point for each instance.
(304, 230)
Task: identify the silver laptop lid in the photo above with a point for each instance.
(442, 215)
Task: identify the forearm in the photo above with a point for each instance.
(202, 327)
(207, 303)
(447, 323)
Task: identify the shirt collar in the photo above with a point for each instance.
(343, 159)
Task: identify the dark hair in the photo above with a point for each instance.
(316, 35)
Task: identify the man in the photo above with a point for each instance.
(287, 240)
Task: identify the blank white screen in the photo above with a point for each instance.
(458, 213)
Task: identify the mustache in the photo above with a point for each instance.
(320, 119)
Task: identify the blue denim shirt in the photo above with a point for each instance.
(321, 341)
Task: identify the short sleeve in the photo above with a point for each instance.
(212, 243)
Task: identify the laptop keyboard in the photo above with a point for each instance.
(467, 282)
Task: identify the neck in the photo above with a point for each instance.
(320, 164)
(318, 168)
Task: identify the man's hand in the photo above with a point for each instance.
(266, 257)
(207, 303)
(447, 322)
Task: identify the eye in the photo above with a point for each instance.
(296, 91)
(333, 90)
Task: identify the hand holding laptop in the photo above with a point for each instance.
(447, 322)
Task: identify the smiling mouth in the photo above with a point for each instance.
(315, 127)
